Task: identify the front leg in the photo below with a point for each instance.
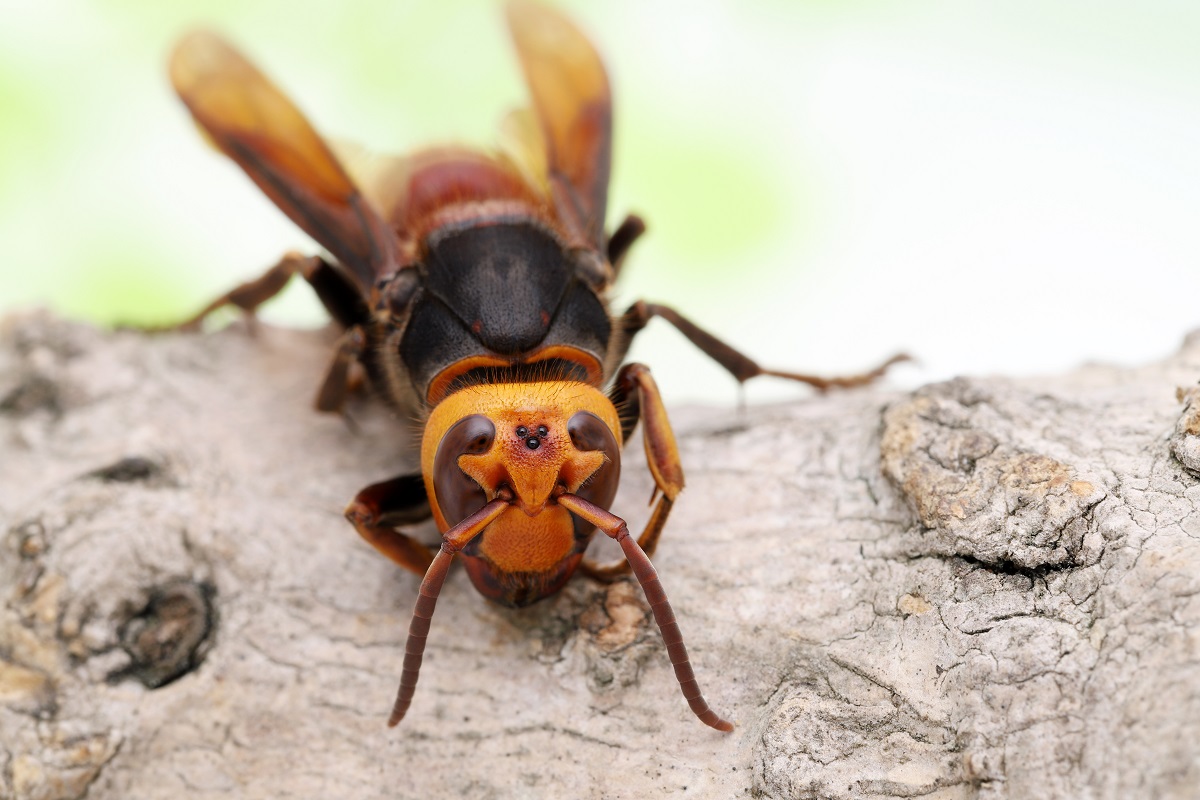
(378, 509)
(636, 396)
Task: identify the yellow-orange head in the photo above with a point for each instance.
(525, 443)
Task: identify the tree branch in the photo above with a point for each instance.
(986, 588)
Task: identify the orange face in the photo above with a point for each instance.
(525, 442)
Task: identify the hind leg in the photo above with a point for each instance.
(737, 364)
(337, 292)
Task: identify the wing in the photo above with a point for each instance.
(523, 147)
(253, 123)
(574, 106)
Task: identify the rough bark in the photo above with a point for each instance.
(986, 588)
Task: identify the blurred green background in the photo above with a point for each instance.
(995, 187)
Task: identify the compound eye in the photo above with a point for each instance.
(457, 494)
(588, 432)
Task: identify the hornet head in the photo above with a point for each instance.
(525, 443)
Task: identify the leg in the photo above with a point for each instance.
(377, 509)
(340, 378)
(738, 365)
(636, 397)
(338, 293)
(622, 239)
(615, 528)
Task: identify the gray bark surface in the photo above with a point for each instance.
(985, 588)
